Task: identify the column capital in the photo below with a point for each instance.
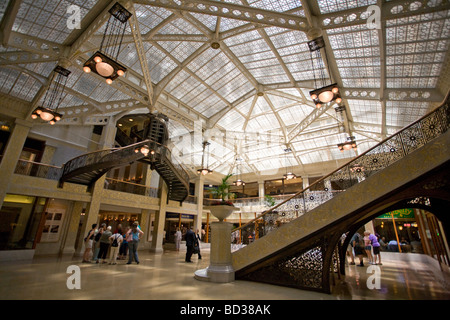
(23, 122)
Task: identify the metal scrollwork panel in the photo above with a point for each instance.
(412, 138)
(302, 270)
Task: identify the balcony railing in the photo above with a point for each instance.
(36, 169)
(130, 187)
(353, 172)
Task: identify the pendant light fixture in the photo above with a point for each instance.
(289, 175)
(324, 93)
(53, 96)
(348, 145)
(104, 61)
(205, 170)
(239, 182)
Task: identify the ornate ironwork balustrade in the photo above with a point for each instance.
(390, 150)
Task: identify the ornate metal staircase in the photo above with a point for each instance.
(302, 246)
(88, 168)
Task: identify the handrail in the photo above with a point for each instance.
(102, 153)
(441, 121)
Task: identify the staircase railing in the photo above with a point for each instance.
(353, 172)
(119, 155)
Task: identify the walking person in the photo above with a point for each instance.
(116, 241)
(178, 237)
(89, 242)
(190, 240)
(197, 244)
(133, 237)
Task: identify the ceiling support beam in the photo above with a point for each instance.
(7, 22)
(135, 30)
(233, 11)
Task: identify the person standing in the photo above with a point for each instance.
(96, 245)
(358, 245)
(133, 237)
(190, 240)
(368, 246)
(116, 241)
(376, 249)
(104, 244)
(178, 236)
(197, 244)
(124, 247)
(89, 241)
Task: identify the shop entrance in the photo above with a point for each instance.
(174, 221)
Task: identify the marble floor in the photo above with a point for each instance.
(166, 276)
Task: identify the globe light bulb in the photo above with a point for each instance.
(104, 69)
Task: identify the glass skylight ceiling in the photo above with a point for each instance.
(254, 89)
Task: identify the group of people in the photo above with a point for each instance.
(192, 243)
(99, 241)
(369, 243)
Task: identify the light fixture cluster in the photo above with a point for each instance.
(46, 114)
(53, 96)
(324, 93)
(239, 182)
(348, 145)
(145, 150)
(288, 175)
(104, 61)
(205, 170)
(104, 66)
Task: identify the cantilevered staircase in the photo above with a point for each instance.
(88, 168)
(303, 245)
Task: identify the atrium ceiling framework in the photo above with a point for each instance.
(237, 70)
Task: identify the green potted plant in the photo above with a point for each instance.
(222, 192)
(222, 209)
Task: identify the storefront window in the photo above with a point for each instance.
(20, 220)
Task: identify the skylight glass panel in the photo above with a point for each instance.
(7, 79)
(71, 101)
(263, 123)
(365, 111)
(3, 6)
(149, 17)
(416, 49)
(403, 113)
(232, 120)
(47, 19)
(356, 50)
(178, 26)
(293, 115)
(180, 50)
(25, 87)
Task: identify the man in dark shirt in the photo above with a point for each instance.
(190, 240)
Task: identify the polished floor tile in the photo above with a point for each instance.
(167, 277)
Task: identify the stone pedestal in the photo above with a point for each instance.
(220, 268)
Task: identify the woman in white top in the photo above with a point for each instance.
(178, 239)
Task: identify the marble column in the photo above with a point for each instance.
(160, 219)
(12, 154)
(68, 246)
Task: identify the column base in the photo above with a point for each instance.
(217, 274)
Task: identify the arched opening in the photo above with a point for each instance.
(414, 252)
